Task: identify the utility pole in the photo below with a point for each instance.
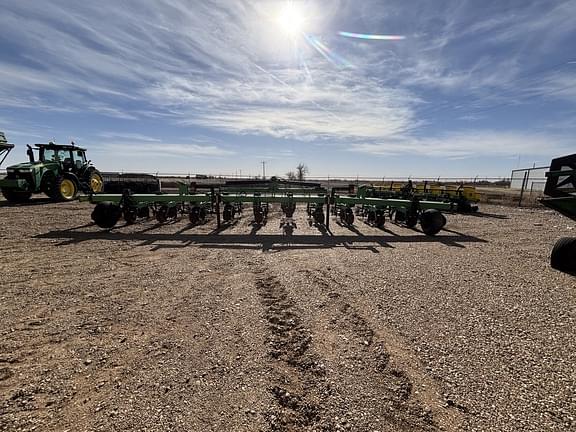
(263, 170)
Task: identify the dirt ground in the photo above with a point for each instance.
(179, 328)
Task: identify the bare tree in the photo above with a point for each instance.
(291, 175)
(301, 171)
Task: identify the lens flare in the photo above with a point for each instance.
(291, 19)
(371, 36)
(326, 52)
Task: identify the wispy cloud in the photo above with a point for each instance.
(470, 144)
(162, 149)
(131, 137)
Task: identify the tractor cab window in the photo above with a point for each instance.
(79, 158)
(48, 155)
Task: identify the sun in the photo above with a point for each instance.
(291, 19)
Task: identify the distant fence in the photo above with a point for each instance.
(529, 179)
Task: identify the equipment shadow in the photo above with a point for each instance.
(263, 242)
(29, 203)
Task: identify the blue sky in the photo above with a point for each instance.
(217, 86)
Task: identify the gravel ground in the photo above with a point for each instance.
(159, 328)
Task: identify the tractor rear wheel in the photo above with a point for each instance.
(13, 196)
(65, 189)
(95, 181)
(563, 256)
(106, 214)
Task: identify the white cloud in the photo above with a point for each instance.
(472, 143)
(128, 136)
(333, 106)
(161, 149)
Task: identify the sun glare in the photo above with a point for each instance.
(291, 19)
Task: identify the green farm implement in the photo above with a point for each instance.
(462, 197)
(227, 202)
(5, 148)
(59, 171)
(561, 196)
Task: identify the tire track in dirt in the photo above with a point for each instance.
(391, 371)
(302, 385)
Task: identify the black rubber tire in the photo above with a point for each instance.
(319, 217)
(144, 212)
(563, 255)
(172, 212)
(162, 214)
(380, 220)
(106, 214)
(130, 215)
(411, 221)
(399, 216)
(194, 215)
(47, 183)
(258, 215)
(228, 213)
(432, 221)
(57, 195)
(15, 197)
(349, 217)
(371, 217)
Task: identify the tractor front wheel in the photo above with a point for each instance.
(65, 189)
(14, 197)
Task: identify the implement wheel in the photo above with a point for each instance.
(228, 213)
(130, 215)
(380, 219)
(258, 215)
(13, 196)
(563, 256)
(144, 212)
(319, 217)
(106, 214)
(432, 221)
(202, 215)
(194, 215)
(162, 214)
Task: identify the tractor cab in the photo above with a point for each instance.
(71, 157)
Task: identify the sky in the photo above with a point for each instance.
(466, 88)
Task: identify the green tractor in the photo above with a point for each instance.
(59, 171)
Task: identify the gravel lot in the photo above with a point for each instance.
(173, 328)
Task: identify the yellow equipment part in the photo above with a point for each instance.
(470, 193)
(436, 189)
